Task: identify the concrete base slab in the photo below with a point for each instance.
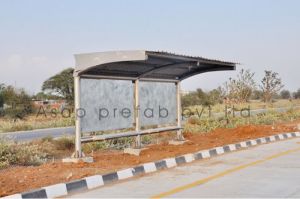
(77, 160)
(177, 142)
(133, 151)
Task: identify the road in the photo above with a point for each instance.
(59, 132)
(269, 170)
(38, 133)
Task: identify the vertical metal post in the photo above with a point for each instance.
(78, 153)
(179, 132)
(137, 113)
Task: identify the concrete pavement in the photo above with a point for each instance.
(269, 170)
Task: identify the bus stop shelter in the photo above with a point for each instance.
(121, 89)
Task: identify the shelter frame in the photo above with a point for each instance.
(138, 66)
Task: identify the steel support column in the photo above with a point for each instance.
(179, 132)
(78, 153)
(138, 143)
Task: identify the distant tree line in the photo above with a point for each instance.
(242, 88)
(16, 103)
(200, 97)
(239, 89)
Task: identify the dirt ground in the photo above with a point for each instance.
(20, 179)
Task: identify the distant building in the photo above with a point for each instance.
(50, 104)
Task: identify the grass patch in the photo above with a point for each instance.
(254, 104)
(33, 122)
(64, 143)
(20, 154)
(199, 125)
(39, 151)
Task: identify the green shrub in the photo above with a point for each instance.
(29, 155)
(94, 146)
(193, 120)
(147, 139)
(65, 143)
(202, 125)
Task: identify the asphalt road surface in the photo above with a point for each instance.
(269, 170)
(24, 136)
(59, 132)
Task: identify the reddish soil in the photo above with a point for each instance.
(20, 179)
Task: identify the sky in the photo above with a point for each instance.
(39, 38)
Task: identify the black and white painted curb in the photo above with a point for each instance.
(95, 181)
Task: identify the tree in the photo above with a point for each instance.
(285, 94)
(215, 96)
(257, 95)
(45, 96)
(1, 95)
(241, 88)
(201, 97)
(1, 100)
(61, 84)
(10, 95)
(190, 99)
(270, 85)
(18, 101)
(207, 98)
(296, 94)
(41, 96)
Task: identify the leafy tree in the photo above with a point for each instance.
(1, 100)
(10, 95)
(215, 96)
(296, 94)
(241, 88)
(201, 97)
(270, 85)
(61, 84)
(285, 94)
(18, 101)
(1, 95)
(190, 99)
(41, 96)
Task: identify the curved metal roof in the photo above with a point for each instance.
(146, 64)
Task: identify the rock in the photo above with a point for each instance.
(69, 176)
(177, 142)
(133, 151)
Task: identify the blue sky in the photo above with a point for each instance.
(39, 38)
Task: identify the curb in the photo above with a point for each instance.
(96, 181)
